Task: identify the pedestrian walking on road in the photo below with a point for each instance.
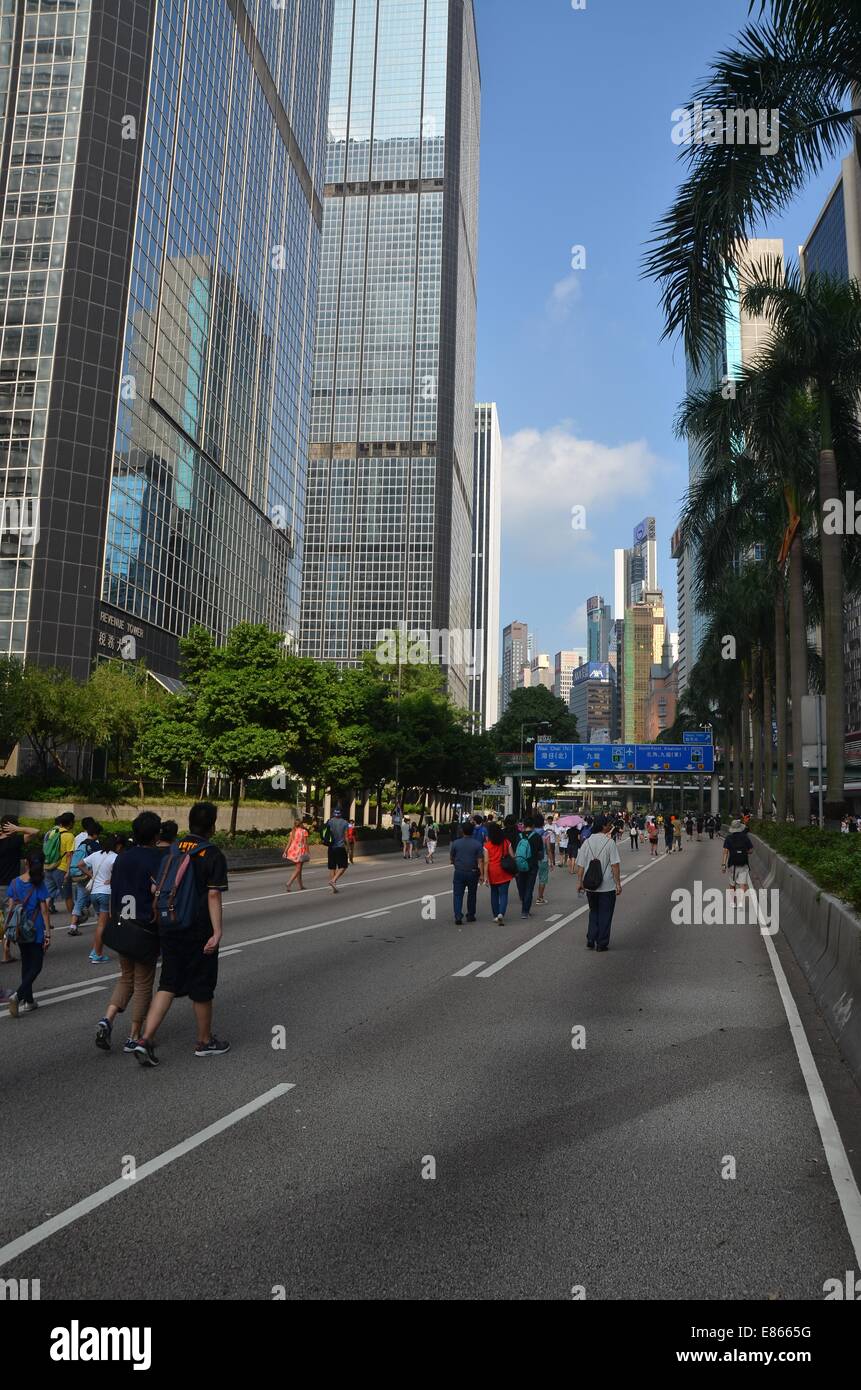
(599, 876)
(430, 841)
(700, 823)
(677, 835)
(28, 924)
(634, 833)
(133, 879)
(737, 849)
(710, 827)
(653, 839)
(545, 864)
(529, 852)
(98, 867)
(13, 839)
(500, 867)
(297, 854)
(406, 839)
(188, 912)
(668, 835)
(351, 840)
(467, 860)
(689, 827)
(335, 836)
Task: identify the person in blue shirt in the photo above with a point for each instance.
(31, 890)
(467, 859)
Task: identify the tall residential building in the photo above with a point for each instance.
(663, 693)
(516, 653)
(388, 535)
(743, 338)
(617, 661)
(834, 248)
(486, 564)
(685, 604)
(599, 620)
(161, 182)
(540, 673)
(564, 666)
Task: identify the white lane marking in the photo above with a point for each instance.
(461, 974)
(383, 912)
(78, 984)
(838, 1164)
(234, 951)
(63, 999)
(230, 901)
(542, 936)
(98, 1199)
(555, 917)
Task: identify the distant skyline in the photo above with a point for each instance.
(577, 115)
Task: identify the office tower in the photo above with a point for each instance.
(617, 661)
(663, 693)
(685, 603)
(486, 564)
(516, 653)
(388, 536)
(161, 217)
(592, 700)
(643, 640)
(834, 248)
(564, 666)
(541, 672)
(598, 624)
(744, 337)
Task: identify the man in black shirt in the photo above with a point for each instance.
(526, 880)
(189, 955)
(737, 848)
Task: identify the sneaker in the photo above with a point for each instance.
(470, 919)
(458, 921)
(73, 931)
(213, 1048)
(130, 1045)
(103, 1035)
(98, 960)
(500, 921)
(13, 1005)
(28, 1008)
(145, 1053)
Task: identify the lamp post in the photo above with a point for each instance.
(530, 723)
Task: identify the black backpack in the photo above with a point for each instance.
(594, 875)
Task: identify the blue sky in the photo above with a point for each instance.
(576, 151)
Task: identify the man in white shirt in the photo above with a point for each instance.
(600, 847)
(99, 866)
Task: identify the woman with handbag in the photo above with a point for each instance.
(296, 853)
(28, 925)
(500, 867)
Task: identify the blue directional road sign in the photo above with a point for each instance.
(620, 758)
(697, 736)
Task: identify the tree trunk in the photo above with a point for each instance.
(767, 734)
(798, 682)
(832, 629)
(780, 694)
(234, 809)
(745, 736)
(756, 710)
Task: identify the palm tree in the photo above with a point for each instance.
(757, 472)
(816, 350)
(805, 63)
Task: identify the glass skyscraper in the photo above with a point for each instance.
(486, 565)
(388, 536)
(162, 177)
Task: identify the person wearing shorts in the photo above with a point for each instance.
(336, 836)
(99, 865)
(189, 956)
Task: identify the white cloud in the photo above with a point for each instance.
(564, 293)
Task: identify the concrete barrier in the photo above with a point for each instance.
(825, 936)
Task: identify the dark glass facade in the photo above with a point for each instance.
(180, 244)
(388, 536)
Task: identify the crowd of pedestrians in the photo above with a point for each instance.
(155, 897)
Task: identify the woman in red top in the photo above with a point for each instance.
(496, 847)
(296, 853)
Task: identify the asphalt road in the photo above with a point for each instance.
(441, 1137)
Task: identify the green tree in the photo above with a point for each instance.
(55, 716)
(531, 707)
(13, 703)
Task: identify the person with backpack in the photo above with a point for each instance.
(737, 849)
(668, 835)
(653, 839)
(188, 914)
(430, 841)
(57, 847)
(98, 866)
(467, 860)
(86, 843)
(13, 839)
(131, 930)
(599, 876)
(500, 867)
(528, 853)
(335, 837)
(27, 924)
(634, 833)
(710, 827)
